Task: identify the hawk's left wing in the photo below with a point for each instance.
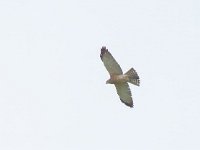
(124, 93)
(110, 63)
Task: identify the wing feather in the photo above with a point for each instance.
(110, 63)
(124, 93)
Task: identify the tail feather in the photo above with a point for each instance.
(133, 77)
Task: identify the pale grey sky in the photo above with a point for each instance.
(52, 82)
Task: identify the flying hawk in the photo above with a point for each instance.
(119, 79)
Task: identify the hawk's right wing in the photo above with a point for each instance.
(110, 63)
(124, 93)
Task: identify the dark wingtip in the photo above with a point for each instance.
(103, 51)
(127, 104)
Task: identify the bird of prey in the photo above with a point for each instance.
(119, 79)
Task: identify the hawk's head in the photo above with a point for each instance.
(109, 81)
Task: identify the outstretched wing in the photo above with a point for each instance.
(110, 63)
(124, 93)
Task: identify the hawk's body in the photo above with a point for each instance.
(119, 79)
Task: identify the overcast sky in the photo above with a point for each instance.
(52, 82)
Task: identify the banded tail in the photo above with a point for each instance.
(133, 77)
